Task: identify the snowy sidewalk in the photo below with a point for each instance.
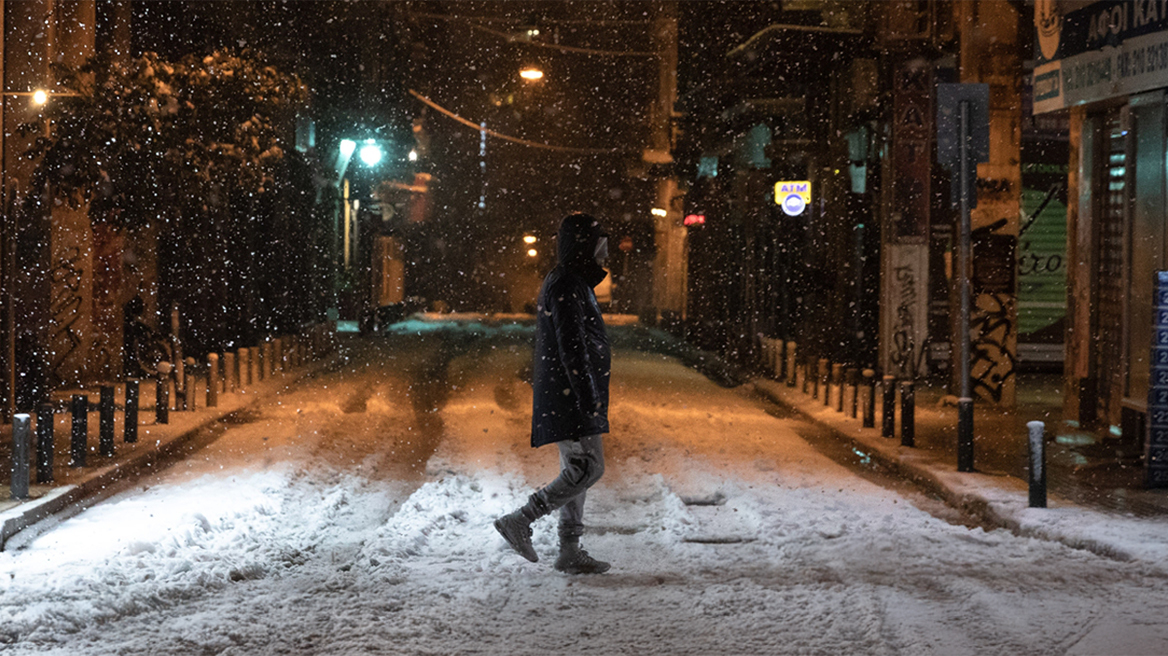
(158, 445)
(999, 499)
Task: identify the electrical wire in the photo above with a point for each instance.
(525, 142)
(553, 46)
(548, 21)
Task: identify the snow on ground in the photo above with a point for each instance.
(355, 518)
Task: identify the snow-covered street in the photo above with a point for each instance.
(354, 517)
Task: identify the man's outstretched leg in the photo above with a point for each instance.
(581, 465)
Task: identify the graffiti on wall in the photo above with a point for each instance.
(905, 355)
(993, 343)
(65, 308)
(905, 320)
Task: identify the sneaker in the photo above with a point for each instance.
(577, 561)
(516, 530)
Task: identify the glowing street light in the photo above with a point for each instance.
(531, 74)
(370, 153)
(531, 252)
(529, 239)
(40, 96)
(348, 147)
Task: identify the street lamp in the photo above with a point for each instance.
(370, 153)
(531, 74)
(7, 201)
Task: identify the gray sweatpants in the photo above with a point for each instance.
(581, 465)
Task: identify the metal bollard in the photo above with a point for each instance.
(179, 373)
(44, 458)
(837, 381)
(852, 382)
(1037, 464)
(18, 485)
(870, 398)
(907, 414)
(802, 376)
(162, 395)
(130, 429)
(213, 380)
(822, 388)
(269, 359)
(230, 373)
(791, 364)
(965, 435)
(257, 369)
(888, 407)
(189, 385)
(242, 370)
(105, 421)
(79, 441)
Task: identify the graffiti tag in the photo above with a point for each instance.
(993, 363)
(905, 356)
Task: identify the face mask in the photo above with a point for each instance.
(601, 253)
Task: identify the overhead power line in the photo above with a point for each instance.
(521, 21)
(553, 46)
(534, 144)
(474, 23)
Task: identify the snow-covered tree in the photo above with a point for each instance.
(198, 152)
(141, 137)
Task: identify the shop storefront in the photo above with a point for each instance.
(1105, 64)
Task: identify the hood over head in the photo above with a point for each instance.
(576, 246)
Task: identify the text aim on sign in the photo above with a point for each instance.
(793, 196)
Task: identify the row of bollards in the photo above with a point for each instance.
(846, 389)
(224, 374)
(779, 358)
(849, 391)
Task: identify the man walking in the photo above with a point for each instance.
(572, 362)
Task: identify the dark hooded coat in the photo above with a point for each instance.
(572, 359)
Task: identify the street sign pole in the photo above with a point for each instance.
(965, 401)
(962, 142)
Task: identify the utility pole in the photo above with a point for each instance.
(669, 267)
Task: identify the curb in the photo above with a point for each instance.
(65, 501)
(994, 500)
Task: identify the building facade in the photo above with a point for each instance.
(1103, 67)
(842, 96)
